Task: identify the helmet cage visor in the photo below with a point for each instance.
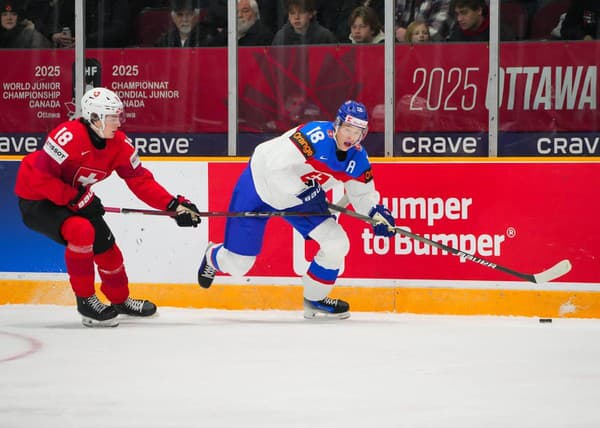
(355, 122)
(102, 106)
(108, 117)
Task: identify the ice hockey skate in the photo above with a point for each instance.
(326, 308)
(206, 272)
(136, 308)
(94, 313)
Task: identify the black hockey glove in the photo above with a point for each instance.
(186, 212)
(385, 220)
(86, 204)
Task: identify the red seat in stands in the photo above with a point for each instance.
(515, 15)
(149, 24)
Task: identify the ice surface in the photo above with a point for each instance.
(210, 368)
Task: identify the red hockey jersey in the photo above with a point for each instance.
(69, 160)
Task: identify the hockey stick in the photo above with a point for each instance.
(218, 213)
(558, 270)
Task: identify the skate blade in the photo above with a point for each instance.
(138, 317)
(90, 322)
(318, 315)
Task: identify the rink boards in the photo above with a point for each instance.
(419, 300)
(526, 214)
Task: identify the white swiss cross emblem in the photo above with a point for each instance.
(86, 181)
(86, 177)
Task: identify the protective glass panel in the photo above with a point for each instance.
(548, 79)
(36, 48)
(440, 83)
(309, 68)
(172, 77)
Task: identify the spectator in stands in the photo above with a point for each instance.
(302, 28)
(582, 21)
(293, 110)
(436, 13)
(15, 33)
(365, 26)
(336, 16)
(251, 31)
(187, 30)
(41, 14)
(331, 14)
(473, 22)
(107, 24)
(417, 32)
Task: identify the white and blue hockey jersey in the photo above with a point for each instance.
(281, 166)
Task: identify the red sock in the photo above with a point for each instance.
(113, 275)
(79, 255)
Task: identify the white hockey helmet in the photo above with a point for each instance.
(97, 103)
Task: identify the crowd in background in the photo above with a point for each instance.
(202, 23)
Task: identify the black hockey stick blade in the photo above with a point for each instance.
(556, 271)
(218, 213)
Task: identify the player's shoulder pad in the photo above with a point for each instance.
(121, 137)
(128, 147)
(367, 175)
(310, 134)
(362, 165)
(73, 128)
(308, 127)
(62, 140)
(302, 141)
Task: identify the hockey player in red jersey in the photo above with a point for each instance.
(55, 198)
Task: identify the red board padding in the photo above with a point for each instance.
(526, 216)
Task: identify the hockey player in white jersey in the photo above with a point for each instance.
(286, 173)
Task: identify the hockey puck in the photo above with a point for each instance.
(545, 320)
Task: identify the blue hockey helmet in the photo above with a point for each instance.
(353, 113)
